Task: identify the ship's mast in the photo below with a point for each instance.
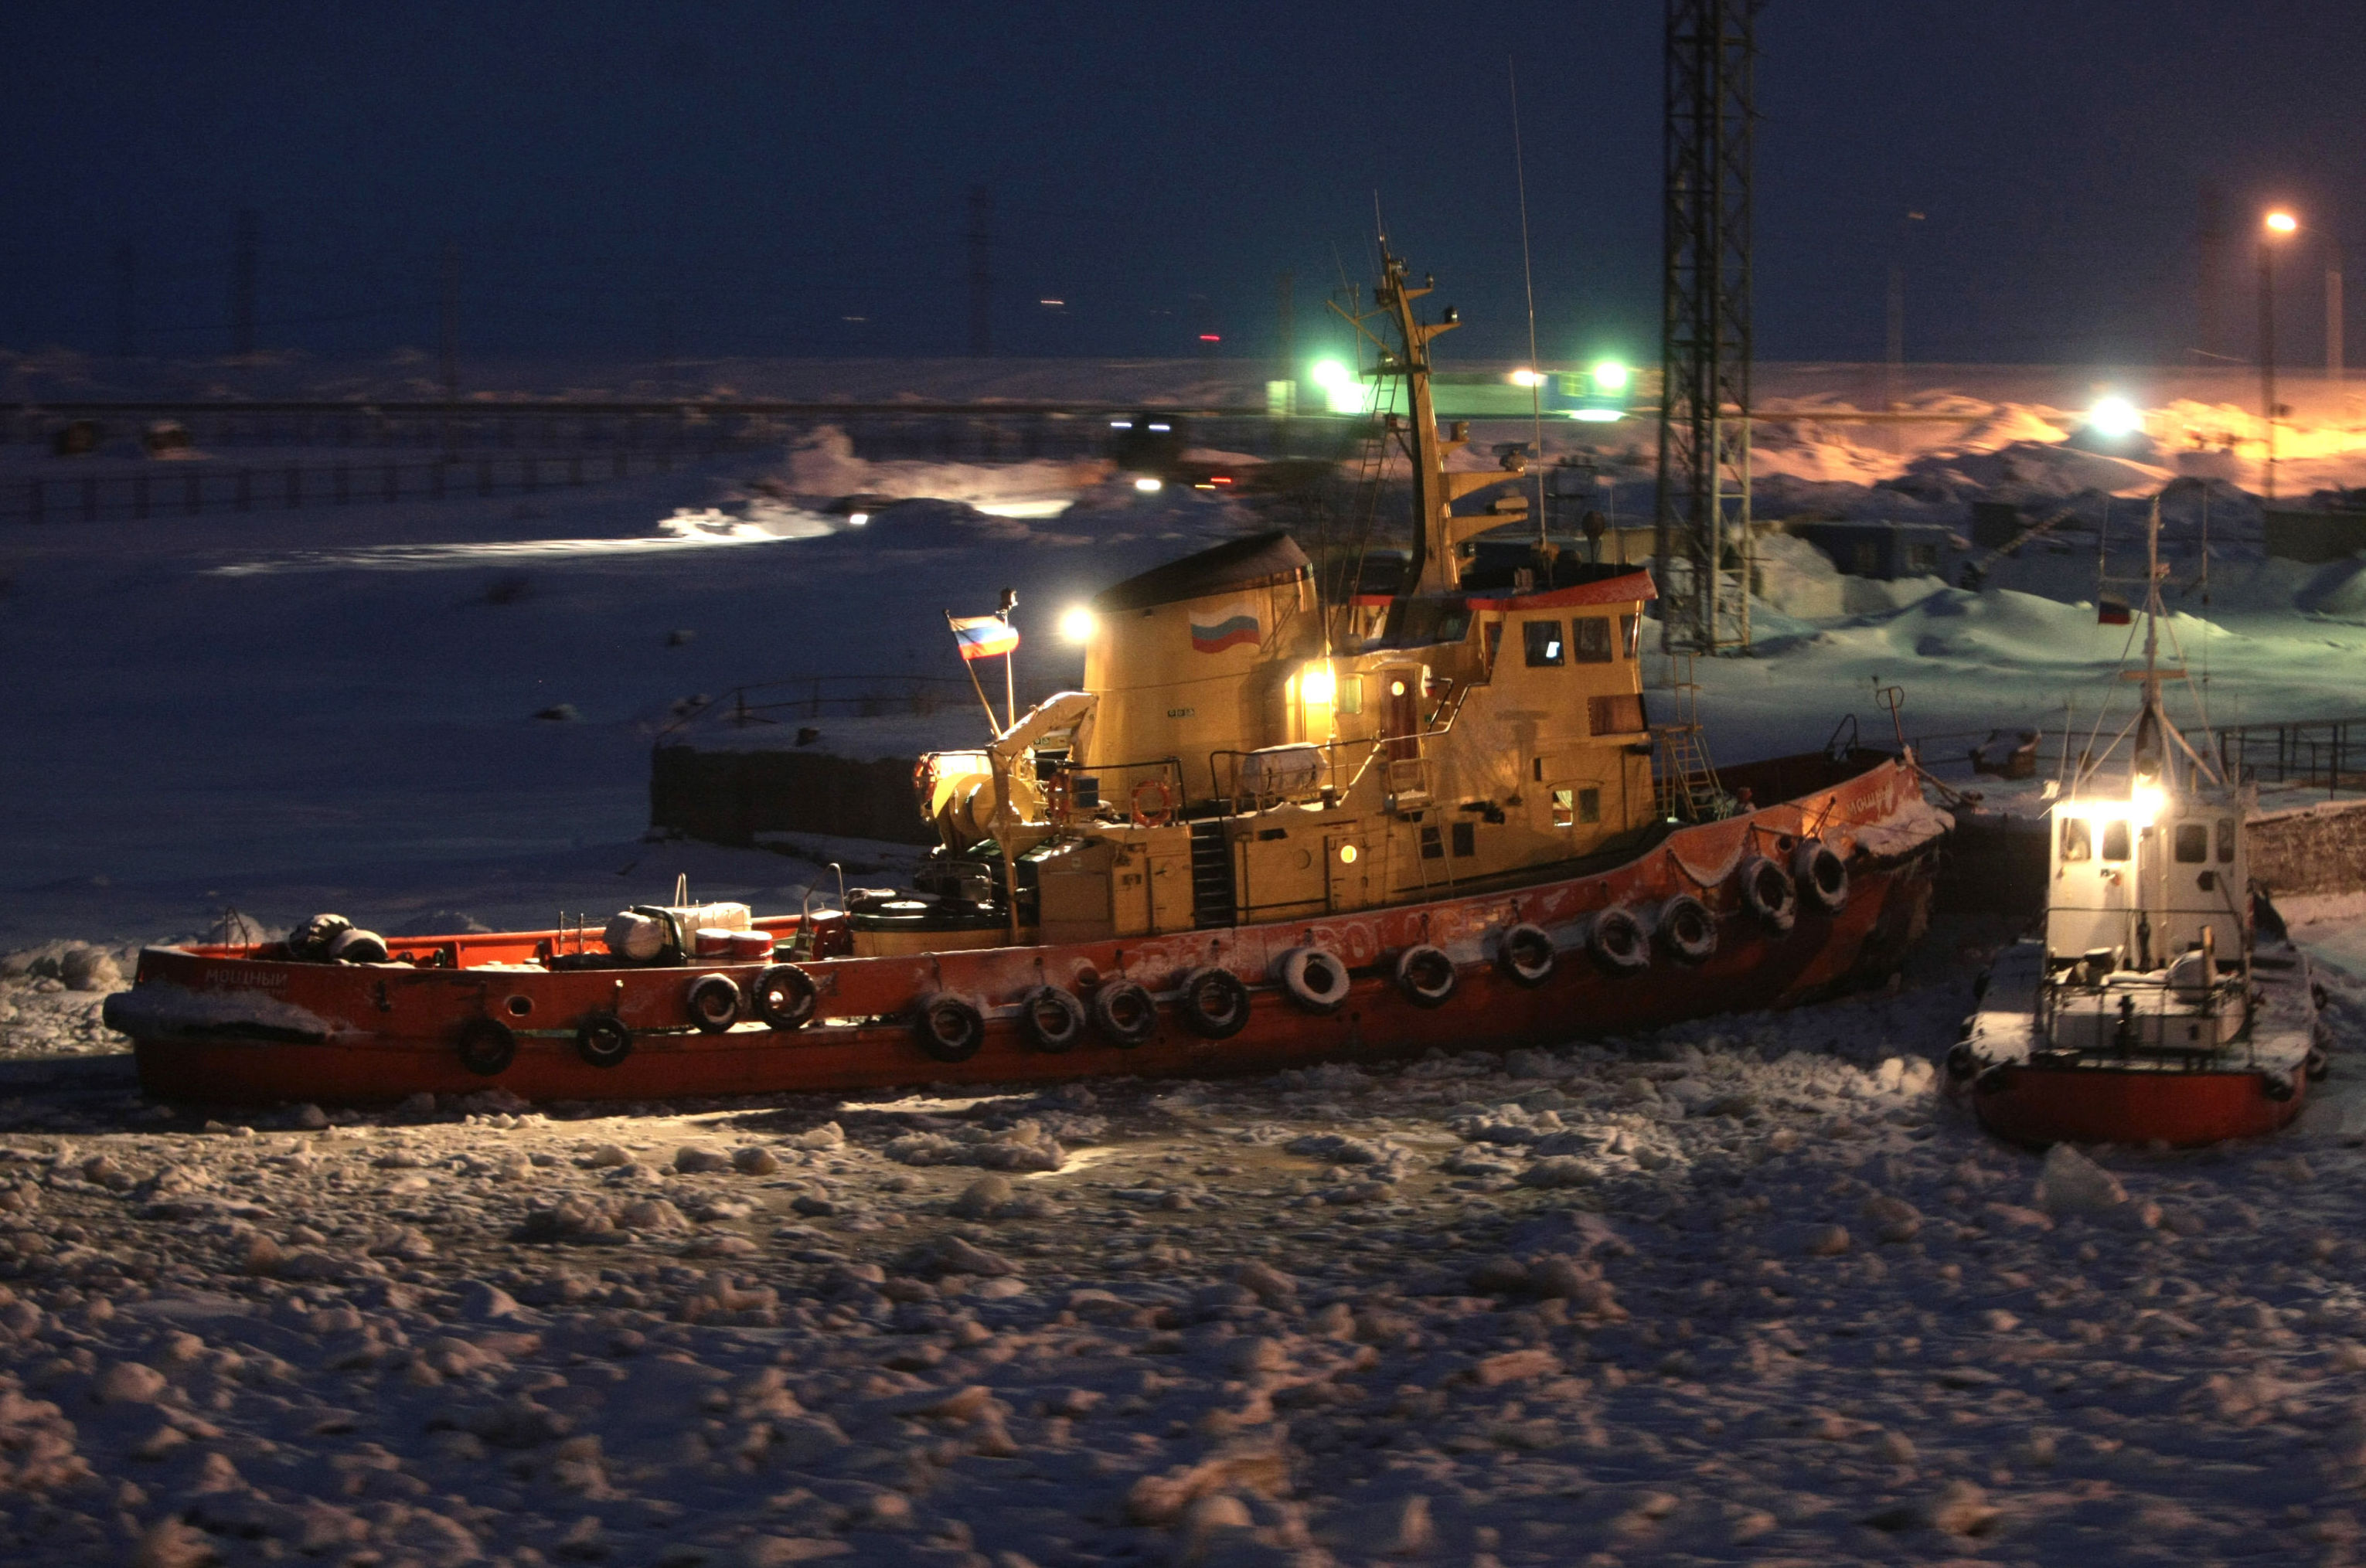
(1436, 566)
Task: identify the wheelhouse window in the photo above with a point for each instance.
(1564, 807)
(1589, 639)
(2227, 828)
(2192, 842)
(1544, 644)
(2078, 840)
(2116, 839)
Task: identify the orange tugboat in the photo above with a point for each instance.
(2162, 1002)
(1274, 828)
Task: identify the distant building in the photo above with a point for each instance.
(1883, 551)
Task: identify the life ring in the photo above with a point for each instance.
(784, 997)
(355, 946)
(1213, 1003)
(1687, 929)
(1425, 974)
(948, 1028)
(602, 1039)
(1618, 942)
(714, 1002)
(1315, 980)
(1123, 1013)
(1822, 876)
(1770, 894)
(1053, 1017)
(1526, 954)
(486, 1047)
(1158, 815)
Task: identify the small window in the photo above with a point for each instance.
(1589, 805)
(1630, 627)
(2226, 831)
(1866, 556)
(1617, 715)
(2077, 843)
(1432, 846)
(1494, 642)
(1351, 695)
(2115, 840)
(1544, 642)
(1589, 639)
(1466, 840)
(2192, 842)
(1922, 560)
(1564, 807)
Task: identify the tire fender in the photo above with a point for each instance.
(1122, 1013)
(1525, 953)
(714, 1002)
(486, 1047)
(1821, 875)
(1687, 929)
(1213, 1003)
(1053, 1017)
(1316, 978)
(1618, 942)
(1770, 894)
(948, 1027)
(1426, 975)
(785, 997)
(604, 1040)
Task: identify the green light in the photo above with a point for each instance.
(1610, 375)
(1596, 416)
(1341, 393)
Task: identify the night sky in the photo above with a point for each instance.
(705, 177)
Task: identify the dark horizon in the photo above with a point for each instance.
(630, 182)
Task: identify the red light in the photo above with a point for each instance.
(1219, 478)
(1210, 338)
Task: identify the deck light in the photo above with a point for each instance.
(1595, 415)
(1610, 375)
(1146, 485)
(2282, 222)
(1317, 686)
(857, 519)
(1077, 624)
(1524, 378)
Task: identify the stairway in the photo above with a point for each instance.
(1213, 899)
(1687, 783)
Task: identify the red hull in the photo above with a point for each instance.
(389, 1028)
(2039, 1106)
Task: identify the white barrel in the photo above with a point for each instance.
(636, 936)
(1283, 770)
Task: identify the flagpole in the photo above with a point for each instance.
(969, 669)
(1010, 686)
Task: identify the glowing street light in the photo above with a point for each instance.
(2115, 418)
(2278, 225)
(1610, 375)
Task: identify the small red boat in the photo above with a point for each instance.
(1412, 804)
(2163, 1002)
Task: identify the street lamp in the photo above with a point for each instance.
(2278, 225)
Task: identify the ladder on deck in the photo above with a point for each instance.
(1687, 783)
(1214, 901)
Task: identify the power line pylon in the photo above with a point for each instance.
(1703, 543)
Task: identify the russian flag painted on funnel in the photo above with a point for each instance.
(984, 636)
(1233, 626)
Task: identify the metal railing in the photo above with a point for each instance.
(2326, 754)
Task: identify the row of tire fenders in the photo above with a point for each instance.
(1213, 1003)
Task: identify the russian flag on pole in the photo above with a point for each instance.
(984, 636)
